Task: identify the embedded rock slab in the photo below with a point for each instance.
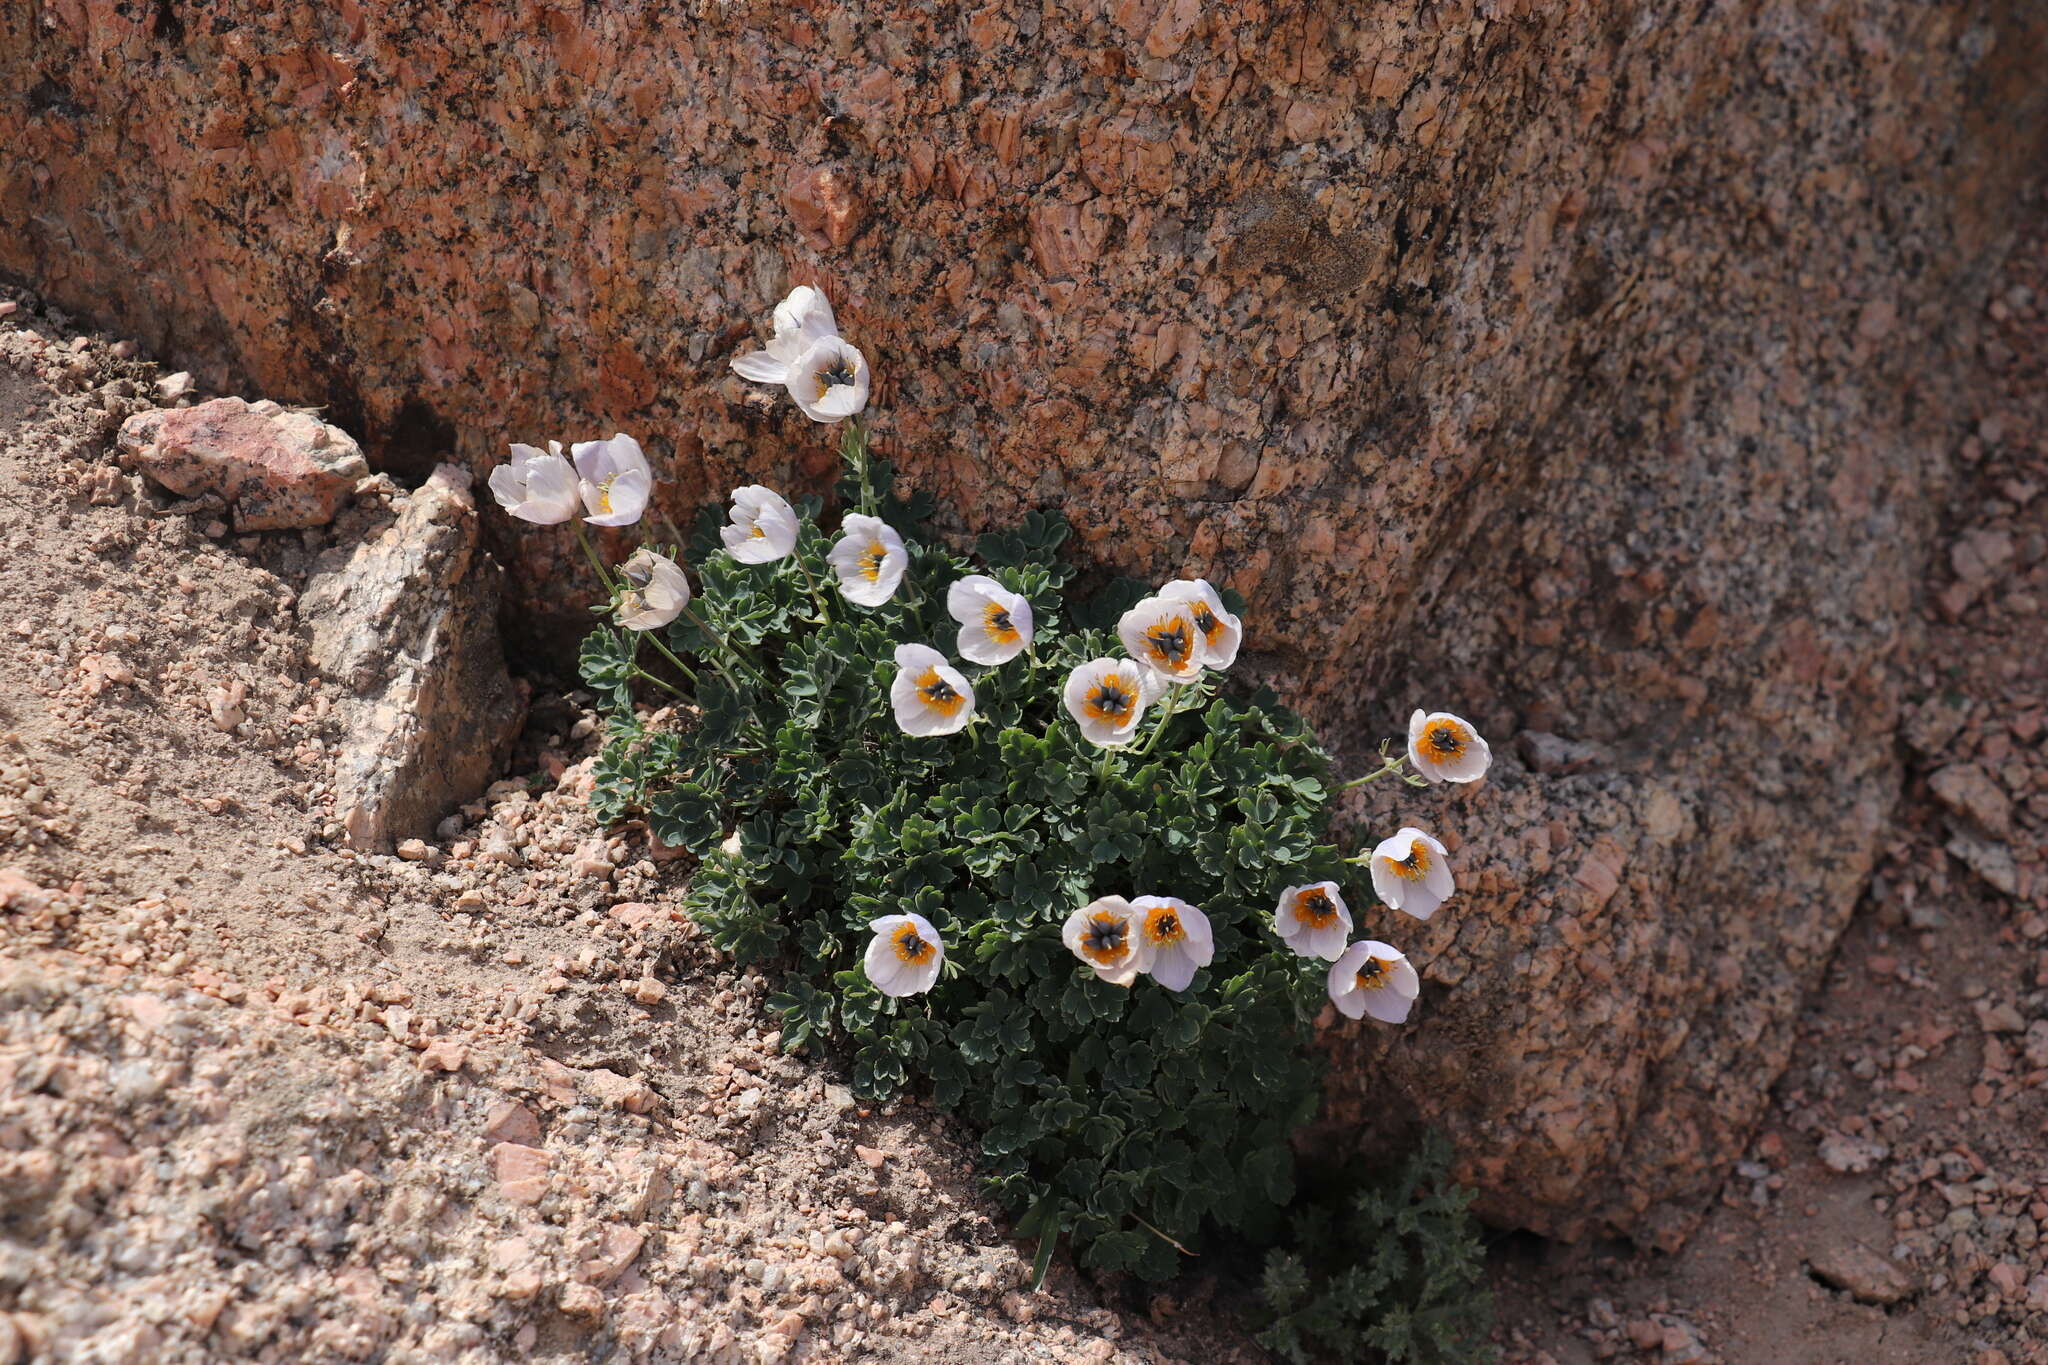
(407, 622)
(1578, 367)
(279, 470)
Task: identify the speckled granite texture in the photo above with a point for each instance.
(1576, 366)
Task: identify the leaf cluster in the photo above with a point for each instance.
(1392, 1265)
(1137, 1121)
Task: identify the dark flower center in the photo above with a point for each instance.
(1106, 935)
(1169, 642)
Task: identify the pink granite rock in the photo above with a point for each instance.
(278, 469)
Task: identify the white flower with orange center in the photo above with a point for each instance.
(1410, 873)
(537, 486)
(1221, 633)
(656, 591)
(1160, 633)
(904, 955)
(995, 623)
(830, 380)
(1373, 978)
(869, 559)
(1444, 748)
(1174, 938)
(802, 320)
(1104, 934)
(826, 376)
(930, 696)
(1314, 920)
(1108, 698)
(614, 479)
(762, 526)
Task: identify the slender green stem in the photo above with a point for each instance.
(660, 682)
(672, 530)
(727, 648)
(853, 448)
(1160, 1235)
(669, 654)
(796, 557)
(604, 575)
(1172, 705)
(1392, 765)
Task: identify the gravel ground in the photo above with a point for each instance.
(265, 1098)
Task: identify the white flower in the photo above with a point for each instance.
(1220, 631)
(614, 478)
(656, 593)
(995, 623)
(1314, 920)
(1160, 633)
(830, 380)
(1108, 697)
(1444, 748)
(1104, 934)
(763, 526)
(1175, 939)
(1410, 873)
(537, 487)
(903, 957)
(1373, 978)
(869, 560)
(801, 320)
(930, 697)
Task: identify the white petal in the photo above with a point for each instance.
(1438, 878)
(1385, 884)
(1328, 943)
(918, 657)
(1174, 969)
(628, 495)
(1419, 901)
(1386, 1005)
(508, 487)
(967, 598)
(805, 315)
(840, 401)
(880, 962)
(760, 367)
(627, 455)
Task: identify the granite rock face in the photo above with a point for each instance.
(406, 620)
(278, 470)
(1577, 367)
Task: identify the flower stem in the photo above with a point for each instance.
(1160, 1235)
(1172, 705)
(853, 448)
(1392, 765)
(669, 654)
(673, 530)
(796, 557)
(661, 682)
(726, 646)
(604, 575)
